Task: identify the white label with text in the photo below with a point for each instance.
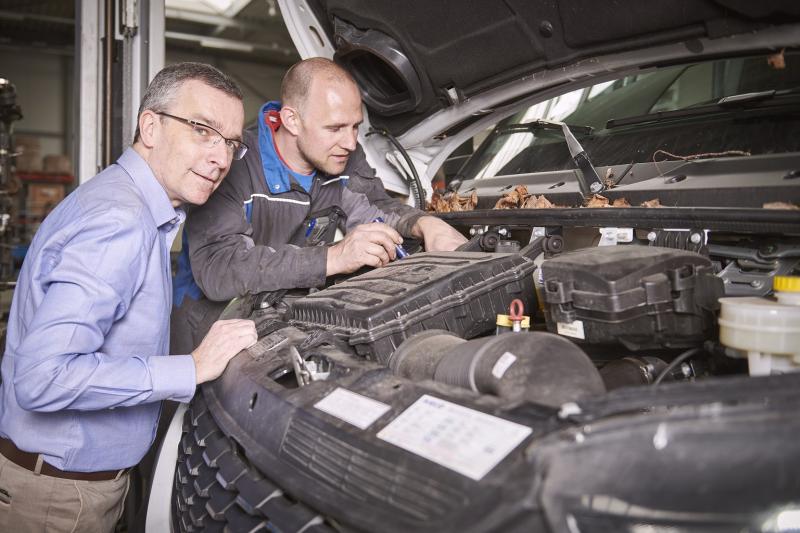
(352, 408)
(464, 440)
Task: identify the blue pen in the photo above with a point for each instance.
(311, 224)
(401, 252)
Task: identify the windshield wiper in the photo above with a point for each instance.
(539, 125)
(588, 180)
(724, 104)
(737, 100)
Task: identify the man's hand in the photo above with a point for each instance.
(367, 244)
(224, 340)
(438, 235)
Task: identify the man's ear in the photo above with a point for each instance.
(149, 127)
(290, 119)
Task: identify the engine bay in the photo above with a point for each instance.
(438, 393)
(632, 308)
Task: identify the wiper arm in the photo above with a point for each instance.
(736, 100)
(538, 125)
(724, 104)
(588, 180)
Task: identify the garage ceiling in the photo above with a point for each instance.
(246, 29)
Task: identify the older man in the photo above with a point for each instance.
(85, 367)
(306, 166)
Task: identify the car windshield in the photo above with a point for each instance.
(743, 105)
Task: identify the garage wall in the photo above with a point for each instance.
(44, 83)
(44, 92)
(259, 82)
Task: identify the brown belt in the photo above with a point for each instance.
(28, 460)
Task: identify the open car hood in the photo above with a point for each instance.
(413, 59)
(434, 74)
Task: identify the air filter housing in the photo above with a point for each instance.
(460, 292)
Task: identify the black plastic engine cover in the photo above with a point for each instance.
(643, 297)
(461, 292)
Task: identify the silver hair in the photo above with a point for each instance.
(161, 92)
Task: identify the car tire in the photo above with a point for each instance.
(217, 489)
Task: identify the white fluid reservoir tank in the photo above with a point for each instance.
(765, 330)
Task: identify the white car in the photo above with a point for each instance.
(649, 380)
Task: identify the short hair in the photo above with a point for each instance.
(296, 82)
(160, 94)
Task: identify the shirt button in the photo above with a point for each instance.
(277, 187)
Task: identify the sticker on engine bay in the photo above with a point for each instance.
(571, 329)
(456, 437)
(502, 364)
(352, 408)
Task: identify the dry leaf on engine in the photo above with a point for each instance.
(608, 180)
(436, 203)
(451, 201)
(518, 195)
(505, 202)
(597, 200)
(620, 202)
(537, 202)
(651, 203)
(455, 204)
(777, 61)
(513, 198)
(440, 203)
(468, 204)
(780, 205)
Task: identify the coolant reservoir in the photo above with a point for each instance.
(766, 330)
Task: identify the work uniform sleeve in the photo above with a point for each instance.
(91, 281)
(365, 198)
(225, 260)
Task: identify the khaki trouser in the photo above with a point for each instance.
(39, 503)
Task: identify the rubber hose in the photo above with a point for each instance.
(417, 357)
(535, 367)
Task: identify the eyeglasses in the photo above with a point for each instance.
(209, 137)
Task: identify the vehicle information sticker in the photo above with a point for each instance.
(352, 408)
(571, 329)
(502, 364)
(456, 437)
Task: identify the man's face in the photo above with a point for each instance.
(329, 121)
(182, 161)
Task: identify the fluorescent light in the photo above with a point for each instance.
(229, 8)
(223, 44)
(220, 6)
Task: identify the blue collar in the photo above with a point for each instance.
(277, 175)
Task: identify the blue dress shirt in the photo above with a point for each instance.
(86, 362)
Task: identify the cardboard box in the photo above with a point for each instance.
(43, 197)
(28, 143)
(28, 162)
(30, 155)
(57, 164)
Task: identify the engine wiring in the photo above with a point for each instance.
(675, 362)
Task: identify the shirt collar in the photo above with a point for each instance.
(142, 175)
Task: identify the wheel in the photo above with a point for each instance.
(217, 489)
